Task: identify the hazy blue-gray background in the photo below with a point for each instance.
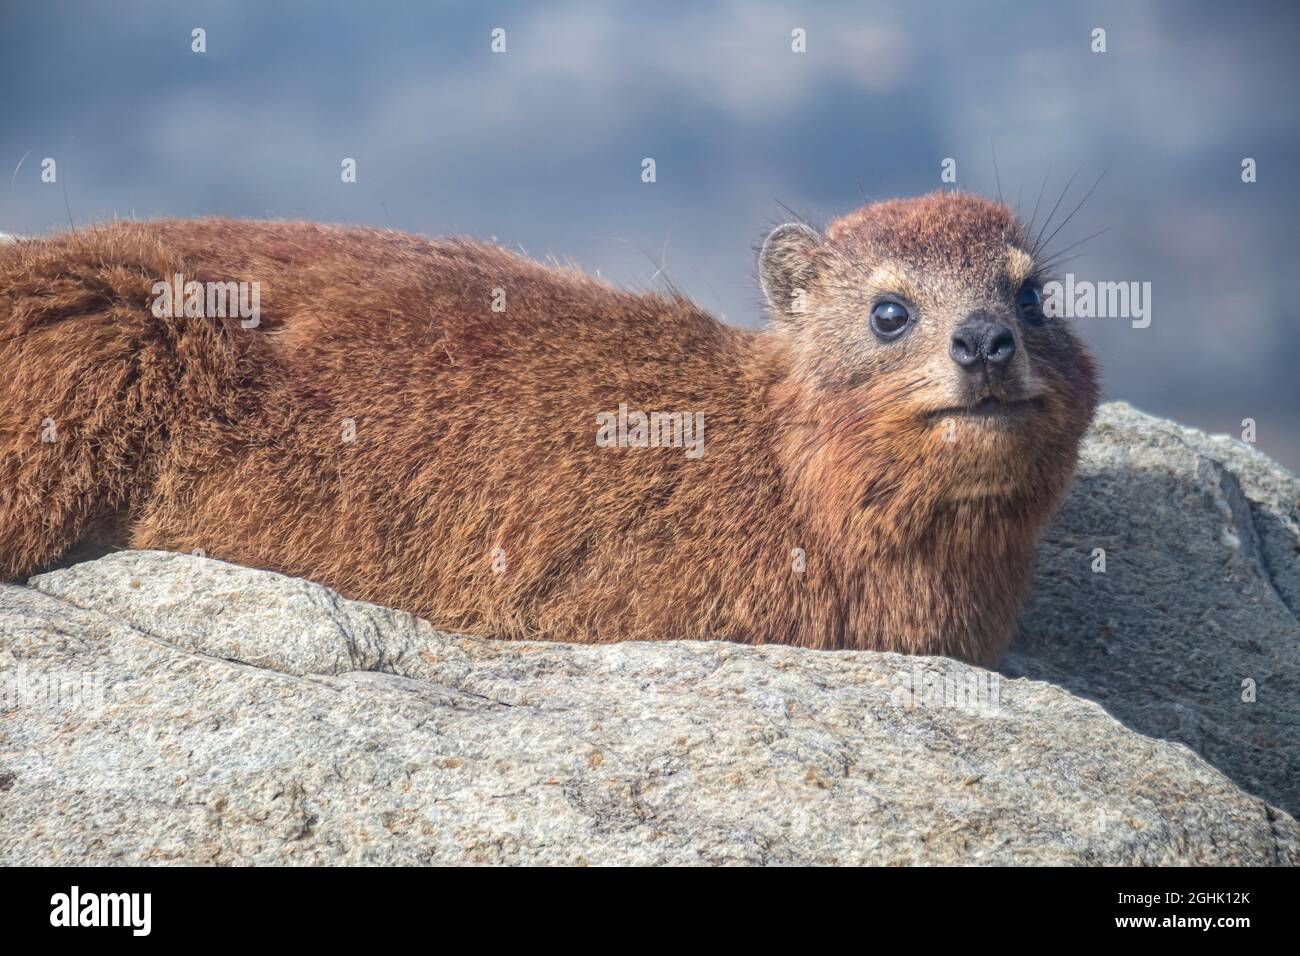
(541, 147)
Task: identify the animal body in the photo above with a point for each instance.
(519, 451)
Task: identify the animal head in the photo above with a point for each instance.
(923, 353)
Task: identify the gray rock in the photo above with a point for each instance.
(1196, 610)
(163, 708)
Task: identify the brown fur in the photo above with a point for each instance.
(475, 430)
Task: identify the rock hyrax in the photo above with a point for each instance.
(520, 451)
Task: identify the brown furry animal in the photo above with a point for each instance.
(875, 465)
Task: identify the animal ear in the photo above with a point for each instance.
(785, 267)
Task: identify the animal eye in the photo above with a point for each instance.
(1029, 303)
(889, 319)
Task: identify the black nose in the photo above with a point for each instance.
(982, 339)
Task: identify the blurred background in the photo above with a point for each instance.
(541, 146)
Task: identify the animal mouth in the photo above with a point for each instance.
(990, 407)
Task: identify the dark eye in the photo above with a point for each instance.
(1029, 303)
(889, 319)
